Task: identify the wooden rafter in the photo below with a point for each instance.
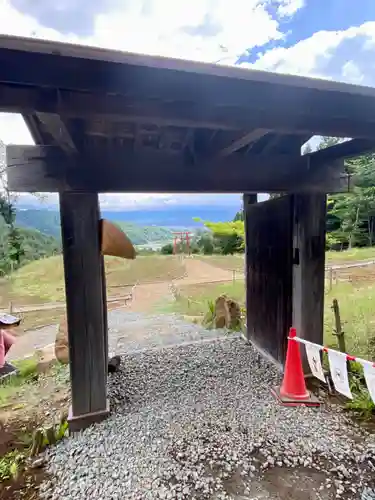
(54, 125)
(245, 140)
(205, 115)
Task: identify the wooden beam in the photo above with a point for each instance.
(323, 107)
(48, 169)
(53, 125)
(79, 214)
(283, 114)
(111, 107)
(245, 140)
(347, 149)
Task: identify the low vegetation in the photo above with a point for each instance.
(194, 300)
(43, 281)
(18, 246)
(141, 235)
(32, 417)
(27, 373)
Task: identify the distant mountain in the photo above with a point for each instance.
(141, 235)
(45, 221)
(173, 216)
(142, 226)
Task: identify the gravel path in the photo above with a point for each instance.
(130, 332)
(197, 421)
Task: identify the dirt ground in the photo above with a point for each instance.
(43, 401)
(145, 296)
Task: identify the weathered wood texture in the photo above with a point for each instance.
(85, 305)
(248, 201)
(48, 169)
(51, 72)
(105, 312)
(309, 265)
(269, 274)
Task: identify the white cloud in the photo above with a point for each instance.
(13, 130)
(346, 55)
(206, 30)
(352, 73)
(289, 7)
(136, 201)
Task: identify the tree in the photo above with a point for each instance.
(327, 142)
(228, 237)
(307, 149)
(204, 242)
(167, 249)
(239, 215)
(351, 216)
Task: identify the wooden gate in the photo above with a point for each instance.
(269, 273)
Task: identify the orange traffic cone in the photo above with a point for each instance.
(293, 391)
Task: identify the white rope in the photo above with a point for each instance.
(323, 348)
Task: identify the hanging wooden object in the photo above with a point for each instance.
(114, 241)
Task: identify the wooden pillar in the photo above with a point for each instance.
(105, 314)
(309, 229)
(83, 268)
(248, 200)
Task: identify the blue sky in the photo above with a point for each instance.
(332, 39)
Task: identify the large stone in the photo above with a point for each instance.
(62, 344)
(227, 313)
(62, 349)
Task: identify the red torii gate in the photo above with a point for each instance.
(180, 236)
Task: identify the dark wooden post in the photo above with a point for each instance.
(309, 229)
(105, 314)
(248, 200)
(83, 268)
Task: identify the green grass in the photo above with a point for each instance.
(236, 262)
(357, 311)
(27, 371)
(193, 299)
(43, 280)
(11, 465)
(227, 262)
(357, 308)
(354, 255)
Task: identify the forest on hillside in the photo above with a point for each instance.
(18, 246)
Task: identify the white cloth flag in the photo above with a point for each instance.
(313, 357)
(369, 372)
(339, 372)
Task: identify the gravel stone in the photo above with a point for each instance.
(198, 421)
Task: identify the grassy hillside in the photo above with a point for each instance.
(35, 245)
(237, 262)
(43, 281)
(141, 235)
